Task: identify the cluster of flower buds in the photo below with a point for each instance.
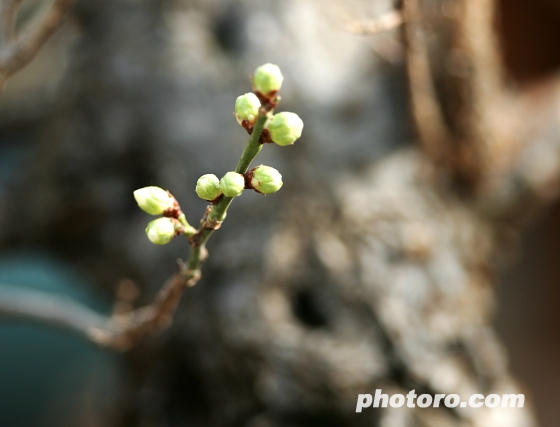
(157, 201)
(282, 128)
(263, 179)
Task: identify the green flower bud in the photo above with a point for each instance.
(266, 180)
(285, 128)
(267, 79)
(160, 231)
(154, 200)
(208, 187)
(247, 107)
(232, 184)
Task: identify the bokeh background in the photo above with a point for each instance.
(132, 93)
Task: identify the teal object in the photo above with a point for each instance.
(47, 375)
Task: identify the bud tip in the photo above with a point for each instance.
(232, 184)
(208, 187)
(160, 231)
(266, 180)
(285, 128)
(267, 79)
(153, 200)
(247, 108)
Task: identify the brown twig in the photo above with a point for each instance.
(17, 50)
(122, 331)
(475, 79)
(119, 331)
(427, 113)
(8, 19)
(387, 22)
(454, 47)
(49, 309)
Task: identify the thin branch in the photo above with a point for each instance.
(387, 22)
(19, 53)
(427, 113)
(8, 19)
(475, 121)
(459, 130)
(119, 331)
(50, 309)
(122, 330)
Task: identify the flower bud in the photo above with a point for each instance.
(267, 79)
(208, 187)
(266, 180)
(285, 128)
(154, 200)
(160, 231)
(232, 184)
(247, 107)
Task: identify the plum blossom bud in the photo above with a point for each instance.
(266, 180)
(267, 78)
(161, 231)
(247, 108)
(232, 184)
(154, 200)
(208, 187)
(285, 128)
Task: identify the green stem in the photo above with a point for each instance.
(253, 146)
(219, 210)
(183, 220)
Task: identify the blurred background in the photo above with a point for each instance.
(286, 326)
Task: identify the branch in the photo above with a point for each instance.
(122, 330)
(478, 84)
(387, 22)
(456, 50)
(427, 113)
(46, 308)
(119, 331)
(8, 19)
(14, 55)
